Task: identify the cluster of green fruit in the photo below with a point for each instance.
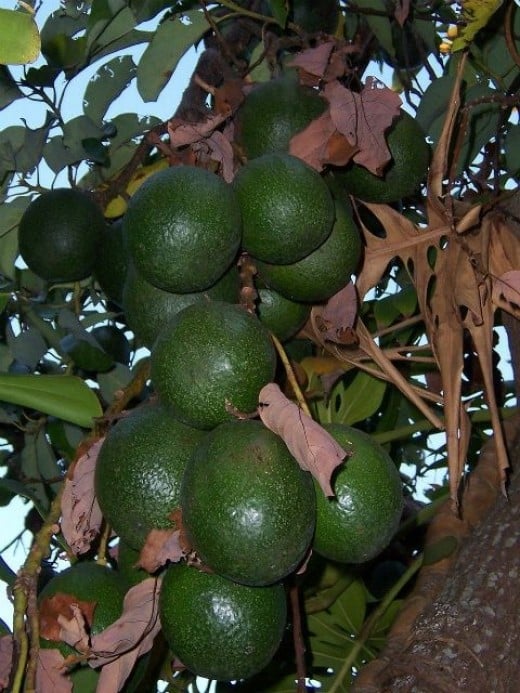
(249, 513)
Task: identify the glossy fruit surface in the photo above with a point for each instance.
(405, 172)
(183, 228)
(111, 263)
(359, 522)
(148, 308)
(139, 471)
(59, 235)
(87, 582)
(287, 208)
(217, 628)
(114, 341)
(212, 357)
(273, 112)
(248, 509)
(323, 272)
(281, 315)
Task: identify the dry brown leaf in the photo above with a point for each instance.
(81, 515)
(6, 660)
(119, 646)
(338, 315)
(73, 631)
(363, 118)
(507, 288)
(161, 546)
(51, 676)
(310, 444)
(228, 97)
(320, 144)
(63, 606)
(182, 132)
(315, 61)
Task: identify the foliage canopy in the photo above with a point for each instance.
(407, 349)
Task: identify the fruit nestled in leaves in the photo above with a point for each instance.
(211, 360)
(59, 235)
(217, 628)
(248, 509)
(139, 471)
(359, 522)
(183, 228)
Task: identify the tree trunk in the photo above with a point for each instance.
(468, 637)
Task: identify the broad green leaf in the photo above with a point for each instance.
(380, 24)
(170, 42)
(28, 347)
(19, 38)
(62, 151)
(333, 632)
(279, 10)
(512, 150)
(9, 90)
(10, 215)
(6, 574)
(4, 299)
(64, 396)
(106, 85)
(109, 20)
(356, 402)
(67, 21)
(116, 379)
(475, 16)
(441, 549)
(146, 9)
(21, 148)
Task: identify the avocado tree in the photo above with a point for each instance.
(301, 281)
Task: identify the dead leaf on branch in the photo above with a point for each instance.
(337, 317)
(66, 607)
(81, 515)
(6, 660)
(51, 673)
(310, 444)
(118, 647)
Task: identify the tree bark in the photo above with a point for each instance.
(468, 637)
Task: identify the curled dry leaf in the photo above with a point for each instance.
(81, 515)
(73, 630)
(311, 445)
(6, 661)
(62, 609)
(118, 647)
(336, 319)
(51, 675)
(161, 546)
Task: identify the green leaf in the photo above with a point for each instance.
(64, 396)
(28, 347)
(9, 90)
(333, 632)
(170, 42)
(279, 10)
(10, 215)
(440, 549)
(6, 574)
(116, 379)
(109, 20)
(19, 38)
(380, 25)
(512, 149)
(21, 148)
(475, 16)
(356, 402)
(106, 85)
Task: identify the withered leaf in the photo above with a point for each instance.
(161, 546)
(73, 630)
(338, 316)
(64, 606)
(314, 60)
(320, 144)
(117, 648)
(6, 660)
(81, 515)
(363, 118)
(507, 288)
(51, 675)
(310, 444)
